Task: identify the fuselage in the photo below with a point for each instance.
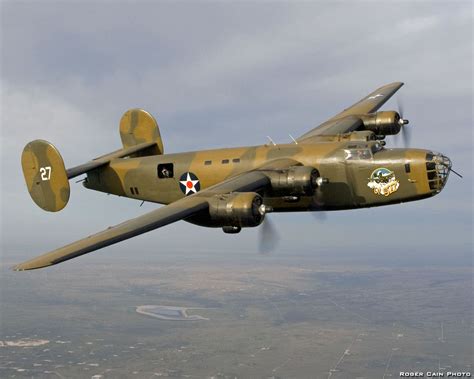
(359, 174)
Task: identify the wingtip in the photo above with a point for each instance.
(27, 266)
(399, 84)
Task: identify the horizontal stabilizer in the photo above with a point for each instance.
(47, 179)
(105, 159)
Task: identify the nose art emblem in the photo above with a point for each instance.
(383, 182)
(189, 183)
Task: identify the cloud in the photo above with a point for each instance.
(416, 24)
(225, 75)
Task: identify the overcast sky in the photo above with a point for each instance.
(229, 74)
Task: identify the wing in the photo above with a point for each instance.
(346, 121)
(179, 210)
(155, 219)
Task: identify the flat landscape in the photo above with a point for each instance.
(278, 316)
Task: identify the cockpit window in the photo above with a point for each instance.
(358, 154)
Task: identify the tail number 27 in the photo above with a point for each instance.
(45, 173)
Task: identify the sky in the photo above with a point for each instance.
(222, 74)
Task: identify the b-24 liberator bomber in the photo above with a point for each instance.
(341, 164)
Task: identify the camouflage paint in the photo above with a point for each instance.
(347, 186)
(138, 126)
(45, 175)
(344, 151)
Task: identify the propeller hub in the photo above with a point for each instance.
(263, 209)
(320, 181)
(403, 121)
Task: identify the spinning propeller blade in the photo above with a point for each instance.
(406, 134)
(269, 237)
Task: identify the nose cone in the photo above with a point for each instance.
(438, 167)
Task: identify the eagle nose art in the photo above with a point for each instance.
(438, 167)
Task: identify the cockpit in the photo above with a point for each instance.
(362, 151)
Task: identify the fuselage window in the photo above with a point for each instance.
(225, 161)
(165, 170)
(207, 163)
(407, 167)
(236, 160)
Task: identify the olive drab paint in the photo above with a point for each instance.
(45, 175)
(339, 165)
(138, 126)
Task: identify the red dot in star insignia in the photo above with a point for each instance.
(189, 184)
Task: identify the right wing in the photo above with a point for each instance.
(347, 121)
(179, 210)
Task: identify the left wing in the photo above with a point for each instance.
(155, 219)
(179, 210)
(346, 121)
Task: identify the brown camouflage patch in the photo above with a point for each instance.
(45, 175)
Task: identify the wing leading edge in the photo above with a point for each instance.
(179, 210)
(346, 121)
(155, 219)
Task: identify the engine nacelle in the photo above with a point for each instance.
(295, 181)
(238, 210)
(382, 123)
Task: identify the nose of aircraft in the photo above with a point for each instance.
(438, 167)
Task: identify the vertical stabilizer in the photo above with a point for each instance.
(137, 126)
(45, 175)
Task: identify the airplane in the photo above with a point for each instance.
(340, 164)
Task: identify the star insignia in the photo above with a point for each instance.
(189, 183)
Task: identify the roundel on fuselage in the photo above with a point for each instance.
(189, 183)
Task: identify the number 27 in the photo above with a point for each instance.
(45, 173)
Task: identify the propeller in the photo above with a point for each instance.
(268, 238)
(317, 202)
(406, 134)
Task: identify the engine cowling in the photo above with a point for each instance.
(295, 181)
(238, 210)
(382, 123)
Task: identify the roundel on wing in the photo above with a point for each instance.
(189, 183)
